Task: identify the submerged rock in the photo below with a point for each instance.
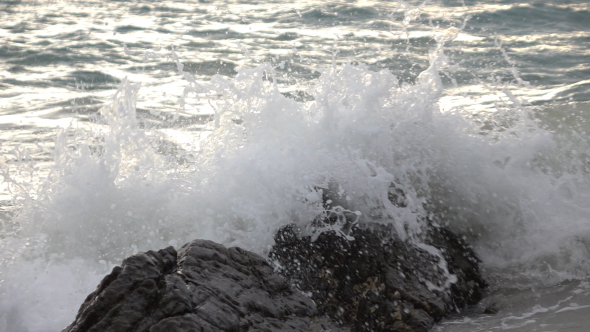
(205, 287)
(370, 280)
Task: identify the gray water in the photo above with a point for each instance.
(133, 125)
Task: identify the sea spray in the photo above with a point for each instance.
(520, 196)
(266, 162)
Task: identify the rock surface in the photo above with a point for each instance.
(205, 287)
(376, 282)
(369, 280)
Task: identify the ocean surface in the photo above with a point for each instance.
(135, 125)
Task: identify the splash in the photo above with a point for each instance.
(381, 148)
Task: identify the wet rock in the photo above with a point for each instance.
(366, 280)
(370, 280)
(205, 287)
(491, 309)
(464, 264)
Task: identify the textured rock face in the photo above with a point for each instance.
(377, 282)
(206, 287)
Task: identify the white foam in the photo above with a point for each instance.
(264, 164)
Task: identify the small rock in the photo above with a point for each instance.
(491, 309)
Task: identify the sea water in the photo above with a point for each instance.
(135, 125)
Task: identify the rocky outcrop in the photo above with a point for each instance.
(370, 280)
(205, 287)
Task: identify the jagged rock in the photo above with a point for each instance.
(376, 282)
(206, 287)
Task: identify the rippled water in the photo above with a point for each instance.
(136, 125)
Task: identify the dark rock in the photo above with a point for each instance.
(207, 287)
(462, 261)
(363, 279)
(491, 309)
(377, 282)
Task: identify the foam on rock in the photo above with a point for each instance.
(370, 280)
